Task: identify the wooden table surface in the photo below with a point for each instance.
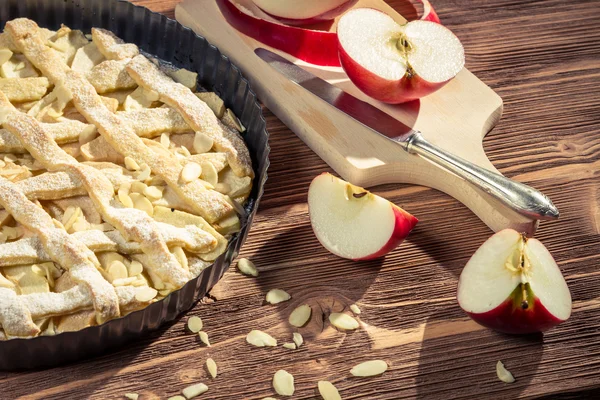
(542, 57)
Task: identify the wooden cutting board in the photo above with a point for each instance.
(456, 118)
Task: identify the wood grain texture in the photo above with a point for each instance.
(542, 58)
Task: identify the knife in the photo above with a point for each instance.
(521, 198)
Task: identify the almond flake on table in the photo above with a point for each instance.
(260, 339)
(275, 296)
(194, 390)
(247, 267)
(195, 324)
(132, 396)
(298, 339)
(291, 346)
(283, 383)
(211, 365)
(503, 374)
(369, 368)
(328, 391)
(204, 338)
(354, 308)
(343, 321)
(178, 397)
(300, 316)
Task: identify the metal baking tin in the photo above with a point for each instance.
(171, 42)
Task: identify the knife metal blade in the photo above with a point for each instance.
(519, 197)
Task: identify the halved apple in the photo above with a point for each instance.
(353, 223)
(294, 12)
(397, 63)
(513, 285)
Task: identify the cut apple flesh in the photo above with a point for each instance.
(354, 223)
(513, 284)
(397, 63)
(375, 41)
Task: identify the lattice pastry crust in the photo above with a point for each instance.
(118, 183)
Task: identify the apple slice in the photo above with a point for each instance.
(397, 63)
(353, 223)
(315, 47)
(513, 285)
(294, 12)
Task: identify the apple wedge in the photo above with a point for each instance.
(294, 12)
(353, 223)
(513, 285)
(397, 63)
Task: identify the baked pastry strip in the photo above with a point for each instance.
(148, 123)
(111, 46)
(210, 204)
(194, 111)
(133, 224)
(64, 250)
(30, 251)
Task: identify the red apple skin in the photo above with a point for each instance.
(315, 47)
(509, 317)
(388, 91)
(404, 223)
(326, 16)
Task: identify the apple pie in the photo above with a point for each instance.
(120, 180)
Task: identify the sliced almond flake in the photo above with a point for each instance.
(503, 374)
(298, 339)
(194, 390)
(300, 316)
(153, 193)
(117, 270)
(291, 346)
(190, 172)
(104, 227)
(144, 294)
(124, 281)
(354, 308)
(211, 365)
(260, 339)
(328, 391)
(369, 368)
(165, 140)
(125, 199)
(131, 164)
(137, 187)
(247, 267)
(132, 396)
(209, 173)
(275, 296)
(144, 172)
(88, 134)
(142, 203)
(202, 143)
(343, 321)
(176, 398)
(204, 338)
(195, 324)
(283, 383)
(181, 257)
(135, 268)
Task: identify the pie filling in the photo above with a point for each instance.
(120, 180)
